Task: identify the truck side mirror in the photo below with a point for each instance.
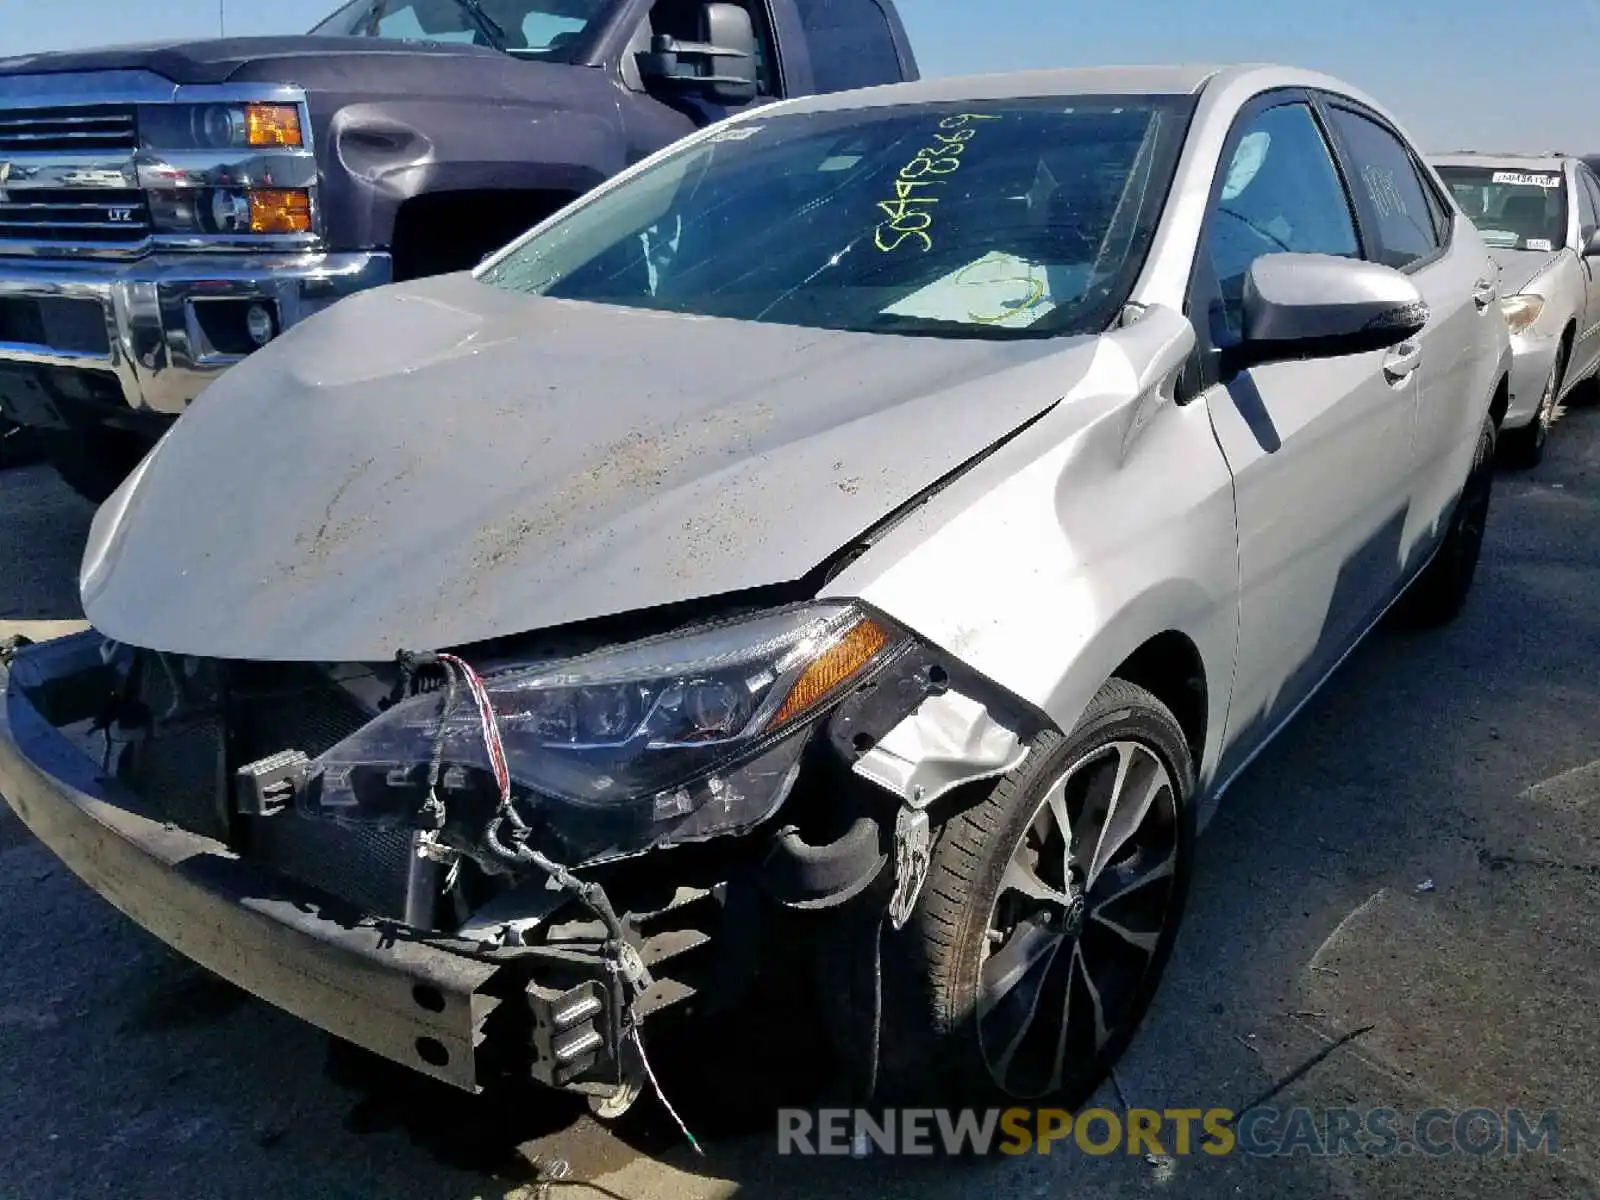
(722, 67)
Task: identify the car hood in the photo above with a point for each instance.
(1518, 268)
(443, 462)
(218, 60)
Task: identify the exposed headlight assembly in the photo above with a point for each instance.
(1521, 311)
(667, 740)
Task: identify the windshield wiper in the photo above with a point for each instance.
(488, 25)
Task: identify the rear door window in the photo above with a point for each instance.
(851, 42)
(1387, 183)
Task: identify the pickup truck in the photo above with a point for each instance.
(165, 210)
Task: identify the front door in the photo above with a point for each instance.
(1319, 449)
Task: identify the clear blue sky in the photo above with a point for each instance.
(1456, 72)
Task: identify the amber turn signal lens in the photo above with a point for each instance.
(833, 667)
(280, 210)
(273, 125)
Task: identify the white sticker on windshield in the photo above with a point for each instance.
(1247, 160)
(1540, 244)
(1524, 179)
(736, 134)
(998, 289)
(839, 162)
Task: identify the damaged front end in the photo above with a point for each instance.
(538, 847)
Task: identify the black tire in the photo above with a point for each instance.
(1524, 448)
(19, 445)
(932, 1043)
(94, 462)
(1437, 595)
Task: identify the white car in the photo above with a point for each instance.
(865, 538)
(1540, 215)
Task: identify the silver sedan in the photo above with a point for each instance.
(863, 540)
(1540, 215)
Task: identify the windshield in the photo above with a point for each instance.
(1514, 209)
(1011, 218)
(546, 29)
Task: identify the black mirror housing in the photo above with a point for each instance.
(721, 67)
(1591, 244)
(1323, 306)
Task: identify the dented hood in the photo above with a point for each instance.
(439, 463)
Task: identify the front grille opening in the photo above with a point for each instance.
(282, 707)
(74, 129)
(74, 214)
(76, 326)
(210, 719)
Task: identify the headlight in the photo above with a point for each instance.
(1521, 311)
(230, 210)
(671, 739)
(219, 126)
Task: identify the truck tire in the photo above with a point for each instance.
(987, 989)
(94, 462)
(19, 445)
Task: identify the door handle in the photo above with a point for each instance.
(1401, 362)
(1483, 293)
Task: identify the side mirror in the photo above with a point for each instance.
(722, 67)
(1321, 306)
(1591, 243)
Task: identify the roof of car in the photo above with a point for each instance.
(1177, 80)
(1181, 79)
(1548, 160)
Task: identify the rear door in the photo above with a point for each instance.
(1320, 450)
(1408, 225)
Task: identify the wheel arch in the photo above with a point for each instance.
(1169, 666)
(1177, 641)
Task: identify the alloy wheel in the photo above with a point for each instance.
(1085, 899)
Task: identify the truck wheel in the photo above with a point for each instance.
(1047, 917)
(1436, 596)
(19, 445)
(94, 462)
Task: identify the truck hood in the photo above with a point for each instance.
(1518, 268)
(219, 60)
(443, 462)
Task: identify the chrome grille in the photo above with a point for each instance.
(75, 129)
(109, 215)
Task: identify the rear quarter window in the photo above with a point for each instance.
(851, 44)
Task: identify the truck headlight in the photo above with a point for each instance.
(219, 126)
(667, 740)
(230, 210)
(1521, 311)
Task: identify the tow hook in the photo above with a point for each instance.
(913, 852)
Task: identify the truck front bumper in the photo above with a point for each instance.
(414, 1000)
(130, 344)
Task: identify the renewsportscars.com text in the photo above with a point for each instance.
(1260, 1132)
